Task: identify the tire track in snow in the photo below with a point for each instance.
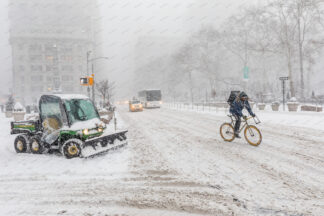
(182, 121)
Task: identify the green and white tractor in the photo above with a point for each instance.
(69, 124)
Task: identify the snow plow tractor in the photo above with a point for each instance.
(69, 124)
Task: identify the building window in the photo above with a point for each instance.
(67, 68)
(35, 58)
(35, 47)
(49, 67)
(21, 58)
(50, 47)
(36, 78)
(68, 88)
(49, 58)
(66, 49)
(67, 58)
(80, 58)
(36, 88)
(36, 68)
(21, 68)
(67, 78)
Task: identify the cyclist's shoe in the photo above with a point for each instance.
(237, 135)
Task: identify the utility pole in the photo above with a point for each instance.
(88, 88)
(93, 86)
(283, 79)
(92, 74)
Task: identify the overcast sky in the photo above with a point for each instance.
(124, 21)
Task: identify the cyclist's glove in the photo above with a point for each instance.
(244, 117)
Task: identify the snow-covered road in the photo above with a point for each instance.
(175, 164)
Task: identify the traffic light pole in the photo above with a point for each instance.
(283, 79)
(92, 74)
(88, 88)
(93, 85)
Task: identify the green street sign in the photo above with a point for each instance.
(246, 73)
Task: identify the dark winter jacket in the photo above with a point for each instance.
(238, 105)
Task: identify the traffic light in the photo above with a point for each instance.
(86, 81)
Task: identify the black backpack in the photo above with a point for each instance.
(232, 97)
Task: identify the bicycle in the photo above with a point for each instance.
(251, 133)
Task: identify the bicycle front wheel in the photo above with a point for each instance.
(253, 135)
(227, 132)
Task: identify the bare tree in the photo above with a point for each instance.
(106, 90)
(237, 39)
(186, 60)
(308, 17)
(262, 45)
(209, 53)
(286, 33)
(298, 24)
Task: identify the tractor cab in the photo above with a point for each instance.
(57, 111)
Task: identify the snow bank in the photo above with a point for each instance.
(295, 119)
(19, 108)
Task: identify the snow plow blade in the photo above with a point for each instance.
(100, 145)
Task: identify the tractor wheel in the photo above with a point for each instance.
(71, 148)
(35, 145)
(21, 144)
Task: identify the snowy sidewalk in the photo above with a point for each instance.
(312, 120)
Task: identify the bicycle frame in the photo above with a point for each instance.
(245, 121)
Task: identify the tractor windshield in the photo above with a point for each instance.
(80, 110)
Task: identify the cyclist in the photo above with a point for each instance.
(237, 106)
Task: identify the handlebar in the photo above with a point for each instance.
(255, 118)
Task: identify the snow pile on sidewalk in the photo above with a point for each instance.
(299, 119)
(313, 120)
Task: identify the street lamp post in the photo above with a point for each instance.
(88, 88)
(283, 79)
(92, 73)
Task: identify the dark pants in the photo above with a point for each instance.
(237, 123)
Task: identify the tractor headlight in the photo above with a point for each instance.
(85, 132)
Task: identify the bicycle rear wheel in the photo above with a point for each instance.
(253, 135)
(227, 132)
